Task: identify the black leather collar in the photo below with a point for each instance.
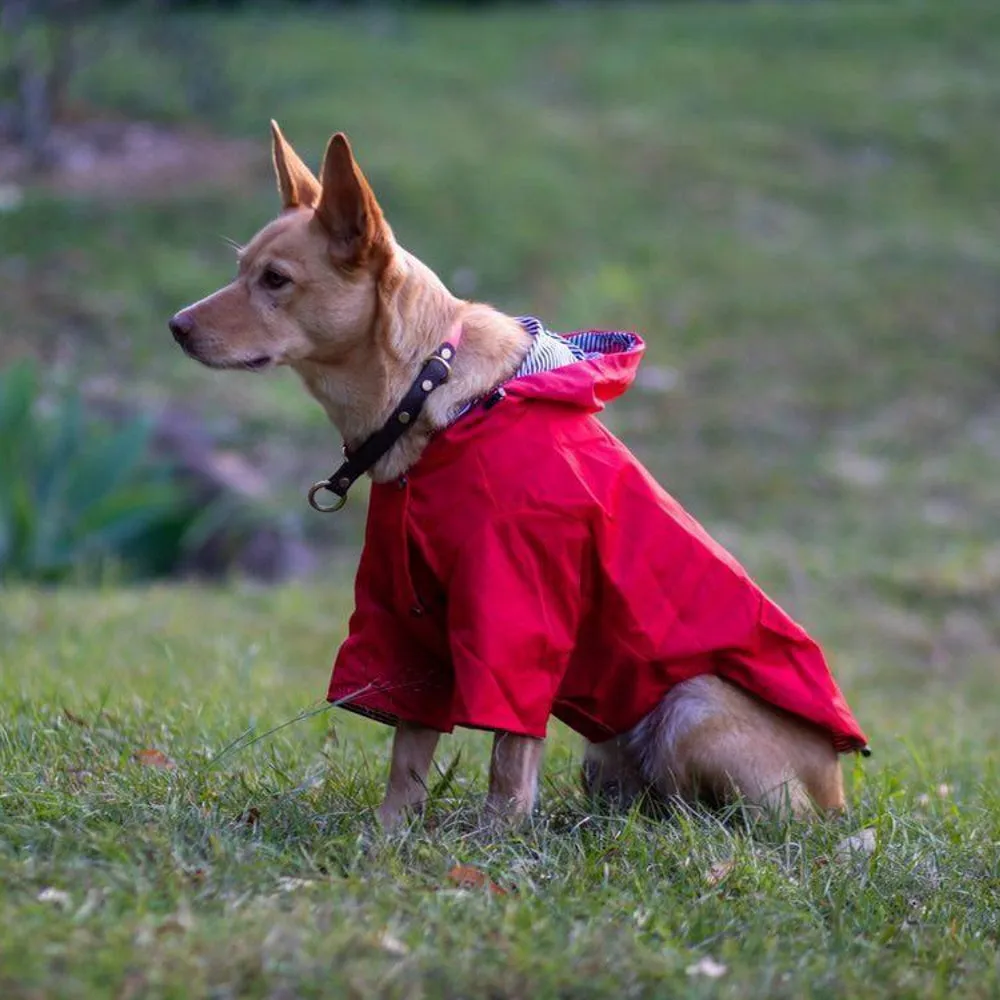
(433, 374)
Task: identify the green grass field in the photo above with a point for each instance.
(258, 872)
(799, 207)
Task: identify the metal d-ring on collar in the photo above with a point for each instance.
(434, 373)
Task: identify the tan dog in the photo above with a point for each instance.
(326, 289)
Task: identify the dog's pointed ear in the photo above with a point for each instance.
(347, 206)
(297, 184)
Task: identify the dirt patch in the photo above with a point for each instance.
(108, 158)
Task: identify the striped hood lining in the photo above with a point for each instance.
(555, 350)
(592, 367)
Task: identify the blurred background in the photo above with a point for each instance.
(796, 204)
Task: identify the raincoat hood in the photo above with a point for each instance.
(605, 369)
(528, 566)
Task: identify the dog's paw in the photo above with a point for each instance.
(388, 817)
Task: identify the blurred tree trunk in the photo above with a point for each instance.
(44, 36)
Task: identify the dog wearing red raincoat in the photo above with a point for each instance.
(519, 562)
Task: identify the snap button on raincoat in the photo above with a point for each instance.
(529, 566)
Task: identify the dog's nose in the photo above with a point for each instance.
(181, 326)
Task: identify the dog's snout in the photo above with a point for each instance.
(181, 327)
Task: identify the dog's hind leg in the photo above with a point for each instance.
(709, 740)
(412, 752)
(514, 770)
(610, 771)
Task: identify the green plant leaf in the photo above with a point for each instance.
(63, 441)
(18, 393)
(104, 463)
(18, 443)
(127, 513)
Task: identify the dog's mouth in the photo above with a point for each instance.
(254, 364)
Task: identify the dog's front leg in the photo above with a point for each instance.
(412, 752)
(514, 774)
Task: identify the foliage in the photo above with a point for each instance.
(80, 497)
(43, 57)
(75, 494)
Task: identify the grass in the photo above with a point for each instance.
(797, 205)
(257, 871)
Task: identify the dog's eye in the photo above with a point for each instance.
(274, 279)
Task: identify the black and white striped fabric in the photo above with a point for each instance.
(553, 350)
(548, 350)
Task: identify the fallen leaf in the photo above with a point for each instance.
(155, 758)
(707, 966)
(251, 817)
(719, 871)
(170, 926)
(469, 877)
(75, 719)
(195, 875)
(56, 896)
(862, 842)
(177, 923)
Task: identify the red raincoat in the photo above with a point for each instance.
(529, 566)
